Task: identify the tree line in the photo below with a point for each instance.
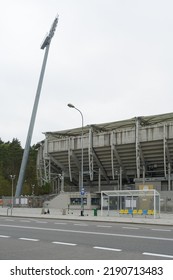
(10, 161)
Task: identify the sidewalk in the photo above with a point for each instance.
(165, 218)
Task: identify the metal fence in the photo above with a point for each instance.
(24, 201)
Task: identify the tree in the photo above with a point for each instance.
(10, 162)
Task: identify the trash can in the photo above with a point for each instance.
(63, 211)
(95, 211)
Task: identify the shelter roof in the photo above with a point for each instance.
(147, 192)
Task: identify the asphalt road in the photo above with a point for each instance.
(48, 239)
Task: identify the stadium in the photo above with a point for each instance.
(125, 155)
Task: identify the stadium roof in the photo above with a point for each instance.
(103, 127)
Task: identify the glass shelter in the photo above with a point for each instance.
(131, 202)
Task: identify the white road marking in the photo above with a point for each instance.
(60, 223)
(130, 227)
(104, 226)
(9, 220)
(28, 239)
(25, 221)
(82, 225)
(91, 232)
(109, 249)
(64, 243)
(156, 229)
(41, 222)
(4, 236)
(158, 255)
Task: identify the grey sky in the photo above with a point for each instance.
(113, 59)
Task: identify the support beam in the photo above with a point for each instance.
(72, 156)
(143, 163)
(62, 182)
(103, 172)
(76, 160)
(114, 152)
(137, 148)
(90, 154)
(69, 159)
(99, 181)
(64, 170)
(167, 157)
(143, 171)
(59, 164)
(121, 171)
(47, 169)
(169, 176)
(164, 149)
(167, 152)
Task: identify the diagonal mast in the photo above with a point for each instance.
(45, 45)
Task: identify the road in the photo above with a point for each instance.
(38, 239)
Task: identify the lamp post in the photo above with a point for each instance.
(81, 188)
(12, 187)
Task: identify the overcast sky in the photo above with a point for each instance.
(113, 59)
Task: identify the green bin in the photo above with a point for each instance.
(95, 212)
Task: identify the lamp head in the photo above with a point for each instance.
(70, 105)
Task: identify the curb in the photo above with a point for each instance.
(66, 217)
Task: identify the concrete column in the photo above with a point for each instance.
(99, 181)
(120, 178)
(143, 169)
(137, 149)
(169, 176)
(164, 148)
(62, 182)
(79, 181)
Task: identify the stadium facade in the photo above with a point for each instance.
(118, 155)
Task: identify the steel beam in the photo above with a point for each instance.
(99, 164)
(90, 154)
(137, 149)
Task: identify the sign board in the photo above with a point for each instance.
(82, 191)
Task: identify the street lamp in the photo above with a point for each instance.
(12, 187)
(81, 188)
